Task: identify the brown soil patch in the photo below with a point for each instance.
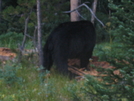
(6, 54)
(92, 70)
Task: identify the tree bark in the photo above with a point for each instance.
(73, 5)
(94, 6)
(39, 46)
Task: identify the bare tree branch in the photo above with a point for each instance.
(29, 36)
(25, 33)
(80, 15)
(21, 47)
(84, 4)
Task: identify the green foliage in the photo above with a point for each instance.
(123, 30)
(97, 91)
(16, 15)
(10, 39)
(120, 53)
(9, 75)
(11, 35)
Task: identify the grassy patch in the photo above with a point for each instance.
(30, 88)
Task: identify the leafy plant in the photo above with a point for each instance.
(10, 39)
(9, 75)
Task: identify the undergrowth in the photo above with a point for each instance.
(13, 40)
(23, 82)
(19, 83)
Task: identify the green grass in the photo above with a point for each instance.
(31, 88)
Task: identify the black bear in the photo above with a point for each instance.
(67, 41)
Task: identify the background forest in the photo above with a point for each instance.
(21, 81)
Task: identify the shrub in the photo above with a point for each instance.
(121, 55)
(9, 75)
(10, 39)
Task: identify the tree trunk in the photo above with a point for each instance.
(73, 5)
(39, 46)
(94, 6)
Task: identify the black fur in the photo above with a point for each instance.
(69, 40)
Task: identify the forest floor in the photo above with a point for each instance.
(8, 54)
